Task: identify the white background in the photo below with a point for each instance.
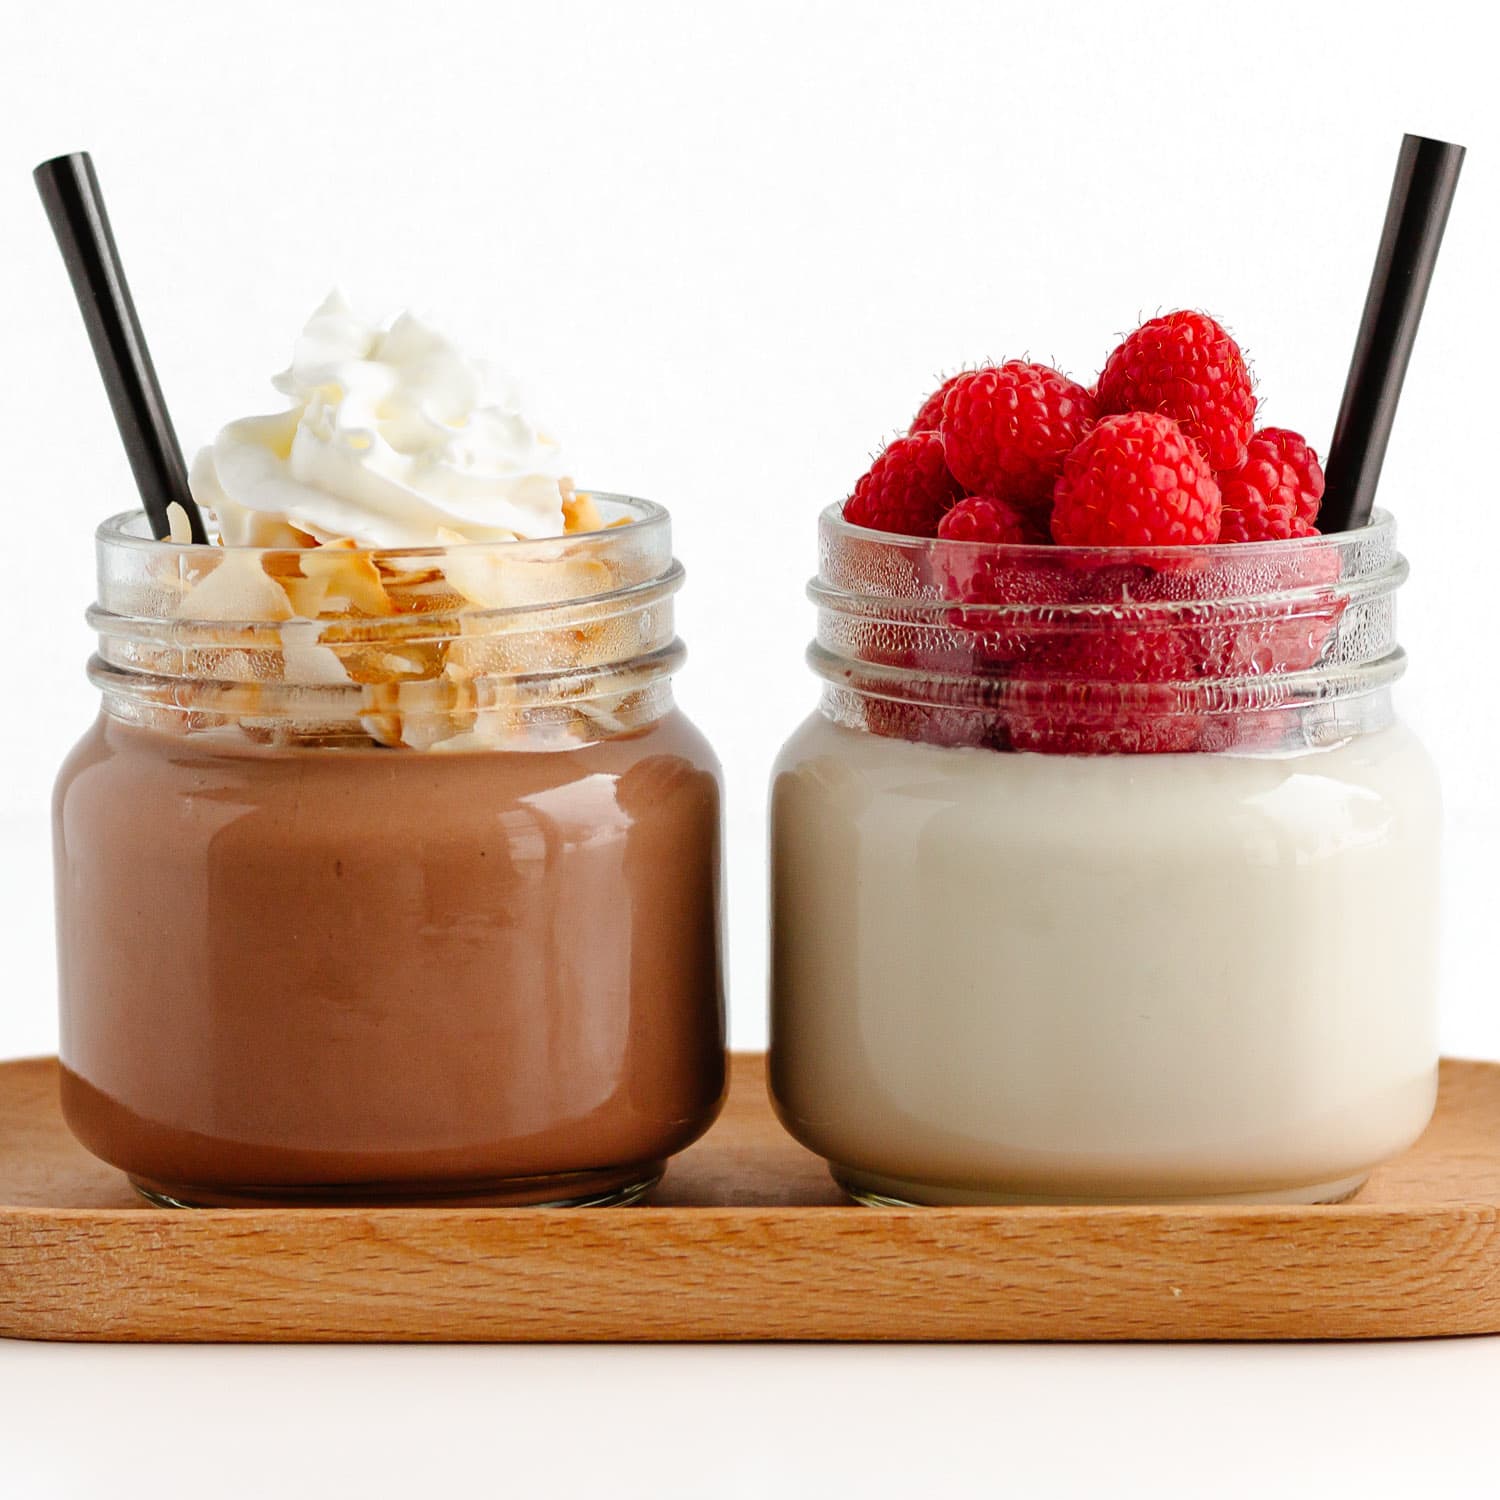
(731, 249)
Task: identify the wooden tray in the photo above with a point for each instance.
(748, 1239)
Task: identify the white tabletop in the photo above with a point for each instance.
(788, 1421)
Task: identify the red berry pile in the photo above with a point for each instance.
(1162, 453)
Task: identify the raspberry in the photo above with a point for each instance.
(1102, 686)
(1136, 481)
(930, 415)
(1186, 367)
(1130, 651)
(907, 490)
(1275, 493)
(1023, 585)
(1007, 430)
(980, 520)
(1272, 636)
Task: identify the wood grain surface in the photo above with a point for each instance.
(748, 1239)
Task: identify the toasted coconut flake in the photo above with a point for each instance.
(384, 729)
(237, 588)
(308, 595)
(494, 581)
(179, 528)
(305, 660)
(282, 565)
(350, 575)
(425, 596)
(395, 577)
(385, 664)
(581, 514)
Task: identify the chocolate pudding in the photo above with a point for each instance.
(304, 973)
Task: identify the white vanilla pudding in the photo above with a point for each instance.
(1116, 978)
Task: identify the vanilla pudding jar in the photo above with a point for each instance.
(1104, 876)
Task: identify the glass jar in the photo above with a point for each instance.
(1104, 876)
(390, 876)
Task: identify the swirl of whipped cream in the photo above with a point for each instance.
(393, 437)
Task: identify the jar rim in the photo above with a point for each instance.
(128, 530)
(1380, 525)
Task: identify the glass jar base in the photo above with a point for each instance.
(608, 1189)
(876, 1191)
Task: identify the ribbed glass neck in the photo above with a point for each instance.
(526, 644)
(1257, 647)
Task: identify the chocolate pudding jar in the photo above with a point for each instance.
(390, 876)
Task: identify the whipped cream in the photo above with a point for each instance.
(394, 439)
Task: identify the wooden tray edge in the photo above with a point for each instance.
(758, 1275)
